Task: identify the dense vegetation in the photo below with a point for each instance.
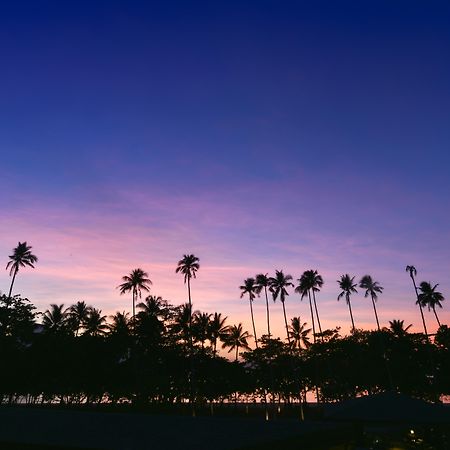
(166, 354)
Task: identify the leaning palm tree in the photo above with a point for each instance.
(262, 282)
(412, 273)
(348, 288)
(95, 324)
(21, 257)
(249, 287)
(372, 288)
(236, 338)
(136, 282)
(430, 297)
(299, 333)
(188, 266)
(278, 285)
(303, 289)
(397, 327)
(78, 314)
(55, 319)
(217, 330)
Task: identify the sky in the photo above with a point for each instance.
(256, 135)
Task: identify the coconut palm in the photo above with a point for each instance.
(278, 287)
(21, 257)
(201, 327)
(299, 333)
(136, 282)
(430, 297)
(181, 322)
(120, 324)
(154, 306)
(262, 282)
(217, 330)
(249, 287)
(303, 289)
(78, 314)
(372, 288)
(188, 266)
(412, 273)
(397, 327)
(55, 319)
(314, 281)
(236, 338)
(348, 288)
(95, 324)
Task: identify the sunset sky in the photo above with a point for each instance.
(258, 135)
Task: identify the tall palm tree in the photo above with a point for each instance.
(372, 288)
(430, 297)
(249, 287)
(314, 282)
(397, 327)
(95, 323)
(348, 288)
(217, 330)
(303, 289)
(78, 314)
(278, 285)
(412, 273)
(21, 257)
(188, 266)
(236, 338)
(55, 319)
(262, 282)
(299, 333)
(136, 282)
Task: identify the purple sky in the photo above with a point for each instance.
(265, 137)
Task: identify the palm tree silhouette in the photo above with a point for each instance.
(262, 282)
(314, 282)
(21, 257)
(188, 266)
(136, 282)
(201, 327)
(412, 273)
(397, 327)
(299, 333)
(120, 324)
(95, 323)
(303, 290)
(154, 306)
(430, 297)
(236, 338)
(217, 330)
(278, 285)
(249, 287)
(348, 287)
(372, 288)
(78, 314)
(55, 319)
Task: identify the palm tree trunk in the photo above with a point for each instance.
(134, 310)
(253, 321)
(437, 318)
(312, 316)
(420, 306)
(351, 314)
(286, 324)
(12, 282)
(267, 309)
(237, 350)
(317, 312)
(375, 311)
(190, 312)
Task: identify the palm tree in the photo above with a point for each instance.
(154, 306)
(120, 324)
(136, 282)
(95, 323)
(373, 288)
(188, 266)
(249, 287)
(262, 282)
(397, 327)
(201, 326)
(278, 285)
(21, 257)
(412, 273)
(181, 325)
(314, 282)
(430, 297)
(348, 287)
(236, 338)
(78, 314)
(217, 330)
(299, 333)
(304, 290)
(55, 319)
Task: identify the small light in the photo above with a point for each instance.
(411, 431)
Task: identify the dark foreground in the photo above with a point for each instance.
(38, 429)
